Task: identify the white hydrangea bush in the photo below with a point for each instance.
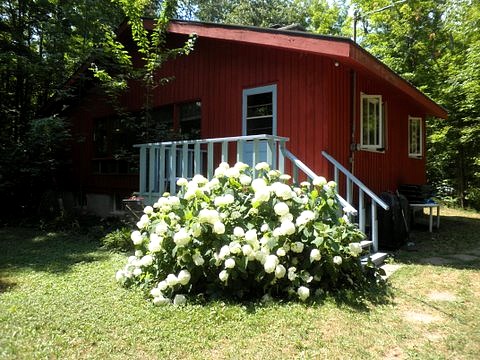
(244, 236)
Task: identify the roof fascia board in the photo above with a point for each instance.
(275, 38)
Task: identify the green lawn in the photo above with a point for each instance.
(59, 299)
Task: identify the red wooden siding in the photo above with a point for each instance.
(314, 110)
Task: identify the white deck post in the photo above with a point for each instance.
(173, 168)
(161, 176)
(143, 170)
(210, 159)
(374, 223)
(361, 209)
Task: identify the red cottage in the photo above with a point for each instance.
(321, 102)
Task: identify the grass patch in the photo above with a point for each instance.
(58, 299)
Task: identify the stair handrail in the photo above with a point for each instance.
(356, 181)
(347, 207)
(362, 190)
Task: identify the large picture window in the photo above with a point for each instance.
(415, 137)
(372, 136)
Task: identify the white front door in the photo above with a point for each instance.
(259, 116)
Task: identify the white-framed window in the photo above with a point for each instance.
(415, 137)
(260, 110)
(372, 129)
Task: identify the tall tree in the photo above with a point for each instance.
(435, 45)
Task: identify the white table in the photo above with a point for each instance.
(430, 207)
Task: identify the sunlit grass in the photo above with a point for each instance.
(58, 299)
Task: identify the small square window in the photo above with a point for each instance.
(415, 137)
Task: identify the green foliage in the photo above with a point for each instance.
(436, 46)
(248, 12)
(118, 240)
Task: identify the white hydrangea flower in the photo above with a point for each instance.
(224, 252)
(233, 173)
(238, 232)
(155, 244)
(171, 280)
(161, 301)
(319, 181)
(230, 263)
(182, 182)
(245, 180)
(286, 217)
(247, 250)
(179, 300)
(241, 166)
(270, 264)
(224, 165)
(143, 222)
(297, 247)
(162, 285)
(332, 184)
(213, 184)
(281, 252)
(251, 235)
(292, 273)
(198, 259)
(147, 260)
(305, 184)
(273, 174)
(278, 231)
(199, 179)
(265, 227)
(148, 210)
(330, 202)
(355, 248)
(285, 177)
(303, 293)
(280, 271)
(218, 228)
(281, 209)
(137, 272)
(136, 237)
(337, 260)
(119, 275)
(174, 201)
(223, 276)
(184, 277)
(283, 191)
(224, 200)
(235, 247)
(190, 194)
(155, 292)
(260, 256)
(262, 166)
(196, 230)
(305, 217)
(161, 228)
(288, 227)
(219, 172)
(258, 184)
(138, 253)
(182, 237)
(315, 255)
(262, 195)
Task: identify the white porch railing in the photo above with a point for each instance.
(363, 191)
(161, 164)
